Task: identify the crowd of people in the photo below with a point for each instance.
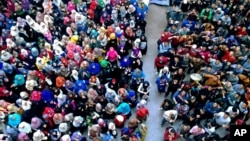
(71, 67)
(208, 41)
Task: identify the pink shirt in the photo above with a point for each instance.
(195, 131)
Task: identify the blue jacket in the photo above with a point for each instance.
(163, 48)
(137, 76)
(176, 96)
(161, 82)
(189, 25)
(210, 109)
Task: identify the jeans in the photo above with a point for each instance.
(164, 121)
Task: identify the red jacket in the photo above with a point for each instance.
(167, 137)
(161, 62)
(228, 58)
(4, 92)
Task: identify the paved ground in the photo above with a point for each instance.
(156, 23)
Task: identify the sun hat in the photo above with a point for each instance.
(24, 95)
(65, 137)
(35, 123)
(77, 121)
(39, 136)
(24, 127)
(63, 127)
(26, 104)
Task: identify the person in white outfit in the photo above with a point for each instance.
(222, 119)
(169, 116)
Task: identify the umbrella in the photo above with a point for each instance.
(24, 127)
(94, 68)
(196, 77)
(14, 119)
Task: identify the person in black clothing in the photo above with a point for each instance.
(173, 86)
(166, 105)
(190, 120)
(137, 63)
(174, 65)
(179, 75)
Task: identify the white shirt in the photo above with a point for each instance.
(166, 114)
(220, 120)
(231, 113)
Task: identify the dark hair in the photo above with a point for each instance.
(172, 116)
(171, 130)
(234, 109)
(227, 113)
(199, 126)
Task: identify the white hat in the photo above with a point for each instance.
(143, 102)
(65, 138)
(24, 95)
(26, 105)
(24, 127)
(39, 136)
(78, 120)
(112, 126)
(63, 127)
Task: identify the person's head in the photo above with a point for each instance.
(217, 62)
(244, 104)
(175, 81)
(234, 109)
(236, 95)
(203, 96)
(215, 105)
(192, 117)
(171, 131)
(183, 93)
(193, 99)
(185, 127)
(182, 105)
(180, 70)
(199, 127)
(176, 59)
(226, 115)
(207, 9)
(241, 86)
(172, 116)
